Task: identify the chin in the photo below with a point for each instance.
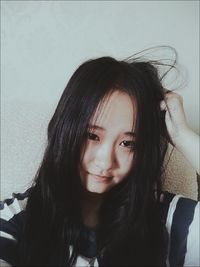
(97, 188)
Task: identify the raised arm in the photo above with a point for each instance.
(184, 139)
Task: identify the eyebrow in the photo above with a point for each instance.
(96, 127)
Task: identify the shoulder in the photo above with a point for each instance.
(177, 208)
(12, 208)
(12, 212)
(182, 223)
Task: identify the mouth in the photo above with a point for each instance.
(100, 178)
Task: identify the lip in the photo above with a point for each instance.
(100, 178)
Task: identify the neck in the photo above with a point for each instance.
(90, 208)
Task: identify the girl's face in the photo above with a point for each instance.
(108, 153)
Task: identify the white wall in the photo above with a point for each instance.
(44, 41)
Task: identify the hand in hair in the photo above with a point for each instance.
(175, 116)
(183, 138)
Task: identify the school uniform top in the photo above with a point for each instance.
(181, 219)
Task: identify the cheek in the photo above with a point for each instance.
(125, 163)
(86, 155)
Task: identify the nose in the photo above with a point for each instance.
(105, 157)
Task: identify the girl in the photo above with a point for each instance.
(97, 197)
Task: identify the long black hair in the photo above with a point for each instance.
(131, 230)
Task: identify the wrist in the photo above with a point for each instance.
(188, 145)
(182, 138)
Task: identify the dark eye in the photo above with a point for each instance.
(92, 136)
(129, 144)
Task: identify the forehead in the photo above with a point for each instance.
(117, 111)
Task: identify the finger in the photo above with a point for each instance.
(163, 105)
(171, 95)
(166, 91)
